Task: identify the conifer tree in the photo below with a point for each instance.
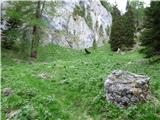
(129, 26)
(116, 39)
(23, 17)
(151, 35)
(138, 11)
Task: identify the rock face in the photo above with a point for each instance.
(125, 88)
(78, 24)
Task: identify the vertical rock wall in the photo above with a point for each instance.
(78, 24)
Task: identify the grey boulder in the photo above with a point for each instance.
(125, 88)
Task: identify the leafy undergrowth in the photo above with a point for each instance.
(65, 84)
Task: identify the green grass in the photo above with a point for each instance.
(74, 86)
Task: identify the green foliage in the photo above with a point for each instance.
(123, 28)
(21, 16)
(12, 33)
(94, 44)
(88, 20)
(138, 11)
(129, 27)
(108, 30)
(117, 30)
(79, 10)
(25, 44)
(151, 35)
(101, 31)
(107, 5)
(82, 97)
(50, 7)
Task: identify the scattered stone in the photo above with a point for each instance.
(142, 62)
(126, 89)
(7, 91)
(30, 62)
(63, 82)
(17, 61)
(121, 52)
(13, 113)
(45, 63)
(45, 75)
(129, 63)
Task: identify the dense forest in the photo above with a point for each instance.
(80, 60)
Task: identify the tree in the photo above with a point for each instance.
(138, 11)
(36, 29)
(107, 5)
(13, 19)
(117, 38)
(151, 35)
(129, 26)
(23, 19)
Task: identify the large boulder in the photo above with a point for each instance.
(78, 24)
(125, 88)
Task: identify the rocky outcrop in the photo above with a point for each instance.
(125, 88)
(78, 24)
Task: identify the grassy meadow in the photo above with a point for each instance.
(67, 84)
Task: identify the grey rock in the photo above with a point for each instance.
(62, 82)
(7, 91)
(74, 30)
(125, 88)
(45, 76)
(12, 114)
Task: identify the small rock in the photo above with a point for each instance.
(45, 75)
(7, 91)
(13, 113)
(17, 61)
(64, 82)
(129, 63)
(45, 63)
(142, 62)
(123, 53)
(119, 51)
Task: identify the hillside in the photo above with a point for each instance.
(64, 84)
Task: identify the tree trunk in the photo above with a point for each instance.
(35, 32)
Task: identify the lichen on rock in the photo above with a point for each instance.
(125, 88)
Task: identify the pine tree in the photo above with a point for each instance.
(138, 11)
(23, 17)
(151, 35)
(129, 26)
(117, 38)
(107, 5)
(36, 29)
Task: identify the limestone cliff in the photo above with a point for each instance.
(78, 24)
